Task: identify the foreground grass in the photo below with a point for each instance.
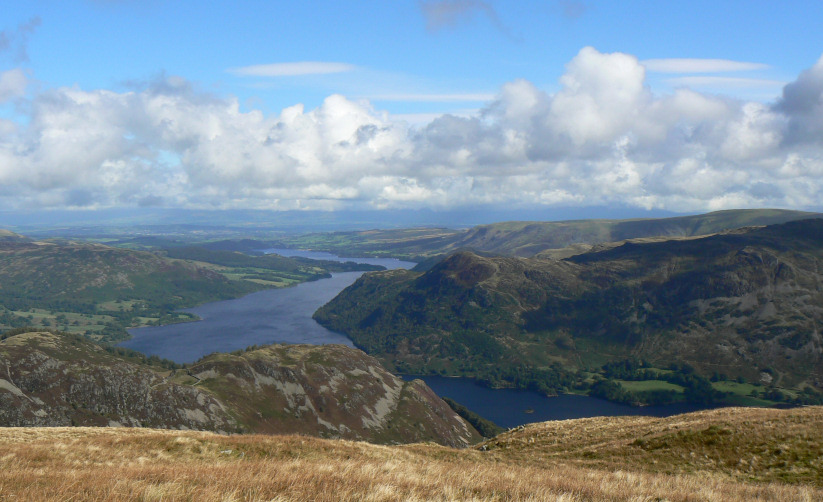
(525, 464)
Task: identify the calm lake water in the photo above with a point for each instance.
(270, 316)
(512, 407)
(284, 316)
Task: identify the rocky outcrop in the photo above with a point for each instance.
(53, 380)
(328, 391)
(49, 379)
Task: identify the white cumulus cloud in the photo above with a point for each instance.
(603, 138)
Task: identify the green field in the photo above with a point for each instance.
(648, 385)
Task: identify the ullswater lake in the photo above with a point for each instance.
(281, 315)
(285, 316)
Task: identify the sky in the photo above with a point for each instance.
(445, 105)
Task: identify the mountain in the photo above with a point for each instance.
(733, 454)
(57, 380)
(745, 304)
(527, 238)
(52, 379)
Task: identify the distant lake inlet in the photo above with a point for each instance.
(270, 316)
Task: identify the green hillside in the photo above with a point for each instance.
(742, 305)
(99, 290)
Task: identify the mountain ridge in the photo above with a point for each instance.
(53, 379)
(528, 238)
(753, 296)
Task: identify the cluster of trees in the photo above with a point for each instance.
(696, 389)
(485, 427)
(547, 381)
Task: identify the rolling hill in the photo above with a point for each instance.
(528, 238)
(9, 236)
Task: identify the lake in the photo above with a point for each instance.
(284, 316)
(270, 316)
(513, 407)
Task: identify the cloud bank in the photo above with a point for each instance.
(603, 139)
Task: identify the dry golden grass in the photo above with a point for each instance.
(138, 464)
(748, 444)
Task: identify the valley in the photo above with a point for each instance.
(705, 311)
(99, 291)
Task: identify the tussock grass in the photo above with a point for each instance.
(747, 444)
(107, 464)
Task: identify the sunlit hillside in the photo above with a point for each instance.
(732, 454)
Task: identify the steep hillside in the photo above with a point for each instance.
(728, 455)
(330, 391)
(747, 304)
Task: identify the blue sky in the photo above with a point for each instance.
(395, 51)
(674, 106)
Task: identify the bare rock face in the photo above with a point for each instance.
(51, 379)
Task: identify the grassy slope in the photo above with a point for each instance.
(727, 455)
(751, 444)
